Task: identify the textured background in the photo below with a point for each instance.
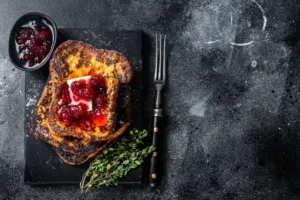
(232, 111)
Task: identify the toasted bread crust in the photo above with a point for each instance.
(39, 127)
(73, 146)
(99, 133)
(73, 55)
(74, 59)
(73, 159)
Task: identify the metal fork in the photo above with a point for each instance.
(159, 82)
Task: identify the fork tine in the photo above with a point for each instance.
(164, 59)
(160, 59)
(156, 59)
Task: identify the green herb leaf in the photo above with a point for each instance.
(125, 162)
(137, 162)
(116, 160)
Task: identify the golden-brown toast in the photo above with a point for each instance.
(71, 145)
(73, 159)
(73, 59)
(40, 129)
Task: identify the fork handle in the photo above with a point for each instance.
(154, 178)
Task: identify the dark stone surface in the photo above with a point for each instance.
(232, 119)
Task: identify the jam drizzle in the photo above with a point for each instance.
(78, 115)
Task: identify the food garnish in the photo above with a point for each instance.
(116, 160)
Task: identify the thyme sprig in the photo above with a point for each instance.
(116, 160)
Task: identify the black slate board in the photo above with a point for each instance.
(42, 165)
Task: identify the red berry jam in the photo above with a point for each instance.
(77, 113)
(34, 43)
(82, 90)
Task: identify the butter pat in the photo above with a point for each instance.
(89, 104)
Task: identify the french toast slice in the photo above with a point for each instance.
(74, 146)
(75, 59)
(39, 127)
(73, 159)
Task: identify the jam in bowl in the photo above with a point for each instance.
(32, 41)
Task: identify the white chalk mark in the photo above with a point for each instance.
(249, 24)
(238, 105)
(241, 44)
(234, 9)
(48, 162)
(94, 35)
(264, 15)
(231, 18)
(216, 21)
(254, 63)
(212, 42)
(200, 107)
(229, 58)
(31, 102)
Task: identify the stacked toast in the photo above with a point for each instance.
(85, 103)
